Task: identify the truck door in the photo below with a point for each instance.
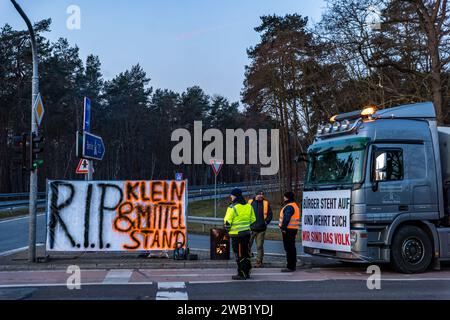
(387, 194)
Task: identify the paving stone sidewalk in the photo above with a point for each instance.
(59, 261)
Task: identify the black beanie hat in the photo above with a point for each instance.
(236, 192)
(290, 195)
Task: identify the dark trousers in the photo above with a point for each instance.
(289, 246)
(241, 250)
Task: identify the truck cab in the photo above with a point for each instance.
(394, 166)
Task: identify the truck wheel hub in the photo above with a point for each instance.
(412, 250)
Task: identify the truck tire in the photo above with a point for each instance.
(411, 250)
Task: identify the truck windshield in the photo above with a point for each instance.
(339, 162)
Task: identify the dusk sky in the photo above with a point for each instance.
(178, 43)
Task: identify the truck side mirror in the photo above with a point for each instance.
(379, 166)
(375, 186)
(380, 173)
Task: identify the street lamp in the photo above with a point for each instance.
(34, 131)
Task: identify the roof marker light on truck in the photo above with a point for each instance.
(369, 111)
(320, 129)
(345, 125)
(336, 126)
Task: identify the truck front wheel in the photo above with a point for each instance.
(411, 250)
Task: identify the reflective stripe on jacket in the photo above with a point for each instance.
(240, 217)
(295, 221)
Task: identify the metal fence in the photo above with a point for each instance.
(17, 201)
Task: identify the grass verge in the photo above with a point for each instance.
(206, 209)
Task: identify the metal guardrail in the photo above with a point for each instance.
(192, 189)
(19, 195)
(23, 204)
(219, 222)
(195, 194)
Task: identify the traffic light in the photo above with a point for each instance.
(36, 147)
(20, 144)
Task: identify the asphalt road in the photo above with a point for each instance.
(14, 235)
(327, 290)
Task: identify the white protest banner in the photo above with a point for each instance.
(326, 220)
(116, 215)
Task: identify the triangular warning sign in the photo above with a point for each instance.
(216, 165)
(83, 167)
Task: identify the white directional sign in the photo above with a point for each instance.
(38, 108)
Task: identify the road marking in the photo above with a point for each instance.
(18, 219)
(311, 280)
(171, 295)
(43, 285)
(176, 294)
(171, 285)
(10, 252)
(171, 291)
(118, 277)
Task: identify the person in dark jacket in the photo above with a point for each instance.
(264, 216)
(289, 225)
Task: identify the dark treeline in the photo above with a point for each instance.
(134, 120)
(362, 52)
(299, 75)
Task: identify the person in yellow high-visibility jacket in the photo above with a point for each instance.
(238, 220)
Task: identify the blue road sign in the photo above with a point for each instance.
(179, 176)
(87, 115)
(93, 147)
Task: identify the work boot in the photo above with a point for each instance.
(258, 264)
(287, 270)
(238, 277)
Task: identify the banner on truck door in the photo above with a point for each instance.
(326, 220)
(116, 215)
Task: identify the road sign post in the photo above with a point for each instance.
(87, 128)
(89, 147)
(34, 130)
(216, 166)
